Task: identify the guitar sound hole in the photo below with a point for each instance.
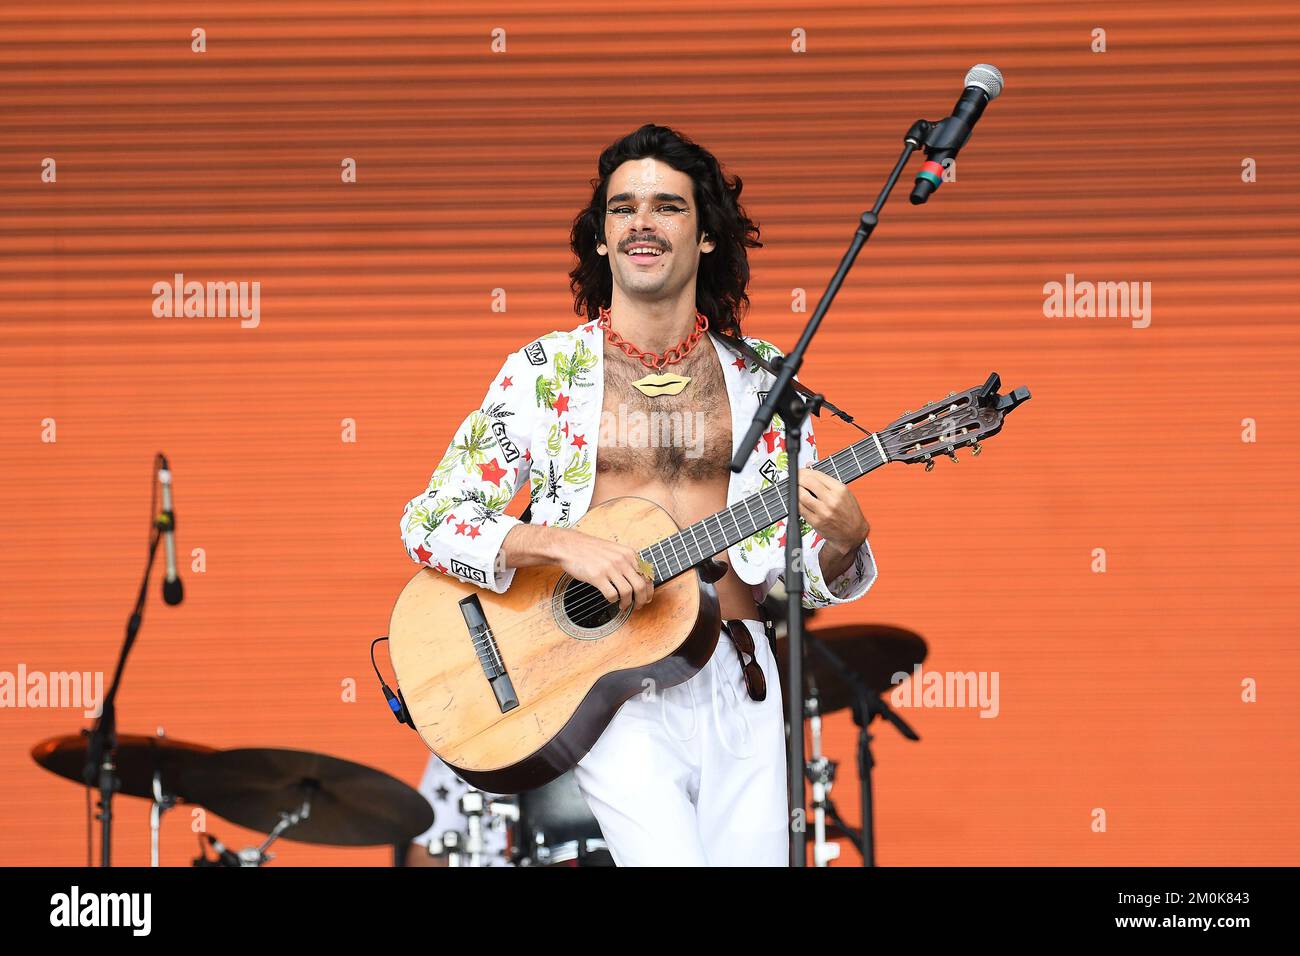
(586, 607)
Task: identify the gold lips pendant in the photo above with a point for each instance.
(661, 383)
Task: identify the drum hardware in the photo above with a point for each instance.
(161, 803)
(306, 797)
(820, 771)
(290, 794)
(472, 806)
(555, 827)
(143, 766)
(250, 856)
(452, 848)
(481, 812)
(257, 855)
(850, 667)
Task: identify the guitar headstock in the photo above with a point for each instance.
(940, 428)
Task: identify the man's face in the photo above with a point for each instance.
(651, 207)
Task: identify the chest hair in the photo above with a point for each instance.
(676, 438)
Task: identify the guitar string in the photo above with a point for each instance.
(487, 643)
(587, 604)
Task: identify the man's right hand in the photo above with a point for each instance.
(610, 567)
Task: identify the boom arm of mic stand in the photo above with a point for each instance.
(789, 365)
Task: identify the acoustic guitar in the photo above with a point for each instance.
(511, 690)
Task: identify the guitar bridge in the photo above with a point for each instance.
(488, 653)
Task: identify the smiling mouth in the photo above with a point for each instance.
(645, 256)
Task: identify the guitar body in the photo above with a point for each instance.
(571, 659)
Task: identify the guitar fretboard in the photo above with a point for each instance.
(716, 533)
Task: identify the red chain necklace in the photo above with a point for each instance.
(653, 360)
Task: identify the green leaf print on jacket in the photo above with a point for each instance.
(763, 536)
(545, 390)
(469, 448)
(578, 472)
(573, 368)
(765, 349)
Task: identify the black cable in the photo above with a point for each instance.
(372, 657)
(396, 702)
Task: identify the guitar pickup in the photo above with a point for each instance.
(488, 653)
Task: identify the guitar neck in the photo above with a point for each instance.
(714, 534)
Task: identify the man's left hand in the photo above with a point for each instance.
(830, 508)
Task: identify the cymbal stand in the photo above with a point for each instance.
(820, 771)
(472, 806)
(162, 802)
(256, 856)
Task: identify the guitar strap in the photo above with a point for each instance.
(747, 351)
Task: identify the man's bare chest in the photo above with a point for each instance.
(671, 438)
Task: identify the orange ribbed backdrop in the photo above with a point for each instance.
(1119, 691)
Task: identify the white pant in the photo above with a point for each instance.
(695, 775)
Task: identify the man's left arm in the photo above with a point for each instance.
(838, 564)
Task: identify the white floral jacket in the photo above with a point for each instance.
(541, 418)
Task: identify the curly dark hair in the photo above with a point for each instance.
(724, 273)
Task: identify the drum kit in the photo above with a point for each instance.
(315, 798)
(319, 799)
(285, 794)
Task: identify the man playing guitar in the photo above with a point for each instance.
(692, 774)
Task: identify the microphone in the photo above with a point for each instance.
(173, 590)
(983, 84)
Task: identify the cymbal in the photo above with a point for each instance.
(875, 652)
(351, 804)
(138, 755)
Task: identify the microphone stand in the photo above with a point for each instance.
(99, 769)
(794, 409)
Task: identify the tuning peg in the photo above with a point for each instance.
(929, 463)
(975, 449)
(952, 453)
